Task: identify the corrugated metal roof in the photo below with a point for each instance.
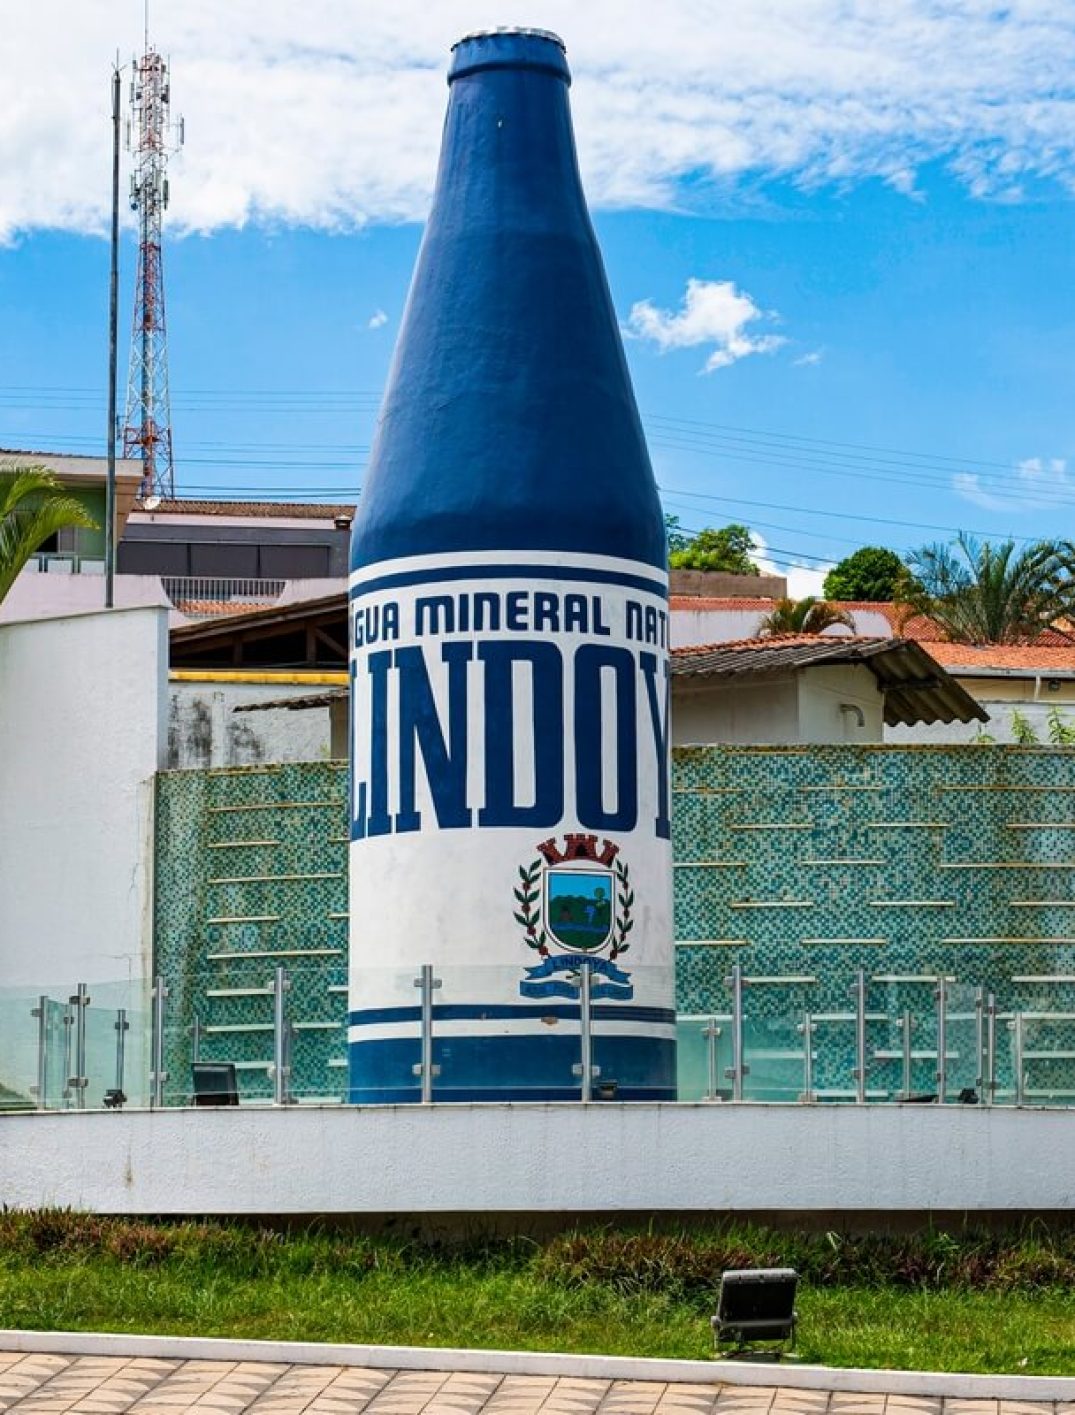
(297, 704)
(915, 686)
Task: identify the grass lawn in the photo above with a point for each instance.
(357, 1290)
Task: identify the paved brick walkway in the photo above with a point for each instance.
(104, 1385)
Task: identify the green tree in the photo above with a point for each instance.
(804, 616)
(33, 506)
(677, 538)
(872, 573)
(984, 592)
(728, 549)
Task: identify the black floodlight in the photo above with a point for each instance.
(756, 1313)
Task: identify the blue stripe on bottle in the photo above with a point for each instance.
(457, 1011)
(440, 574)
(511, 1068)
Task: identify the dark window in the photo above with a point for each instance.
(225, 561)
(295, 562)
(152, 557)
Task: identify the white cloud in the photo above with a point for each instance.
(713, 312)
(808, 360)
(1039, 482)
(329, 115)
(377, 320)
(802, 579)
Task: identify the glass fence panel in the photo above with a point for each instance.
(490, 1036)
(53, 1040)
(246, 1033)
(773, 1053)
(101, 1057)
(1047, 1040)
(55, 1062)
(964, 1043)
(19, 1031)
(703, 1056)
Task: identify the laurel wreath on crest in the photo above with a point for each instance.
(529, 916)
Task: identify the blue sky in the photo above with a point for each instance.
(888, 322)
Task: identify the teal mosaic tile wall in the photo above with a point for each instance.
(251, 873)
(907, 862)
(802, 864)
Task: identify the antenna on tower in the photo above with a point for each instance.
(152, 138)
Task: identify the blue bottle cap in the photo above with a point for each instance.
(509, 48)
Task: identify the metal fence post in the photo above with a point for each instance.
(281, 1039)
(738, 1068)
(68, 1024)
(979, 1040)
(78, 1080)
(806, 1030)
(906, 1025)
(711, 1032)
(122, 1028)
(425, 1068)
(858, 990)
(941, 995)
(1017, 1059)
(989, 1089)
(41, 1012)
(158, 1075)
(584, 1069)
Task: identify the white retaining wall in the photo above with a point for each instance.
(512, 1159)
(82, 733)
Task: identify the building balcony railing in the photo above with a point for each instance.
(203, 597)
(64, 562)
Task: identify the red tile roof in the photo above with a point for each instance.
(1052, 649)
(768, 641)
(964, 658)
(292, 510)
(696, 602)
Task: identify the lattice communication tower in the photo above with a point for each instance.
(152, 138)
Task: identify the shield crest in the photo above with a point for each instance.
(579, 908)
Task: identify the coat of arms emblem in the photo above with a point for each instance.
(575, 904)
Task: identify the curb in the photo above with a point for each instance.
(945, 1384)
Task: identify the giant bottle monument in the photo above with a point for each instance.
(509, 640)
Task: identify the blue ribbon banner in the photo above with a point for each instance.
(607, 979)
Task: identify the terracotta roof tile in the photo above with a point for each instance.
(1043, 656)
(767, 641)
(696, 602)
(294, 510)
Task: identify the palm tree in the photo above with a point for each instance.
(990, 593)
(33, 506)
(804, 616)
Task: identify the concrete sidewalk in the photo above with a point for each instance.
(55, 1384)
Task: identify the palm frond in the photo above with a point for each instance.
(990, 592)
(804, 616)
(33, 507)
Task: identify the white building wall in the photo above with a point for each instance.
(723, 710)
(82, 732)
(804, 707)
(833, 700)
(713, 626)
(720, 626)
(1001, 697)
(204, 730)
(39, 595)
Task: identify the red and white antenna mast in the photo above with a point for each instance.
(152, 138)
